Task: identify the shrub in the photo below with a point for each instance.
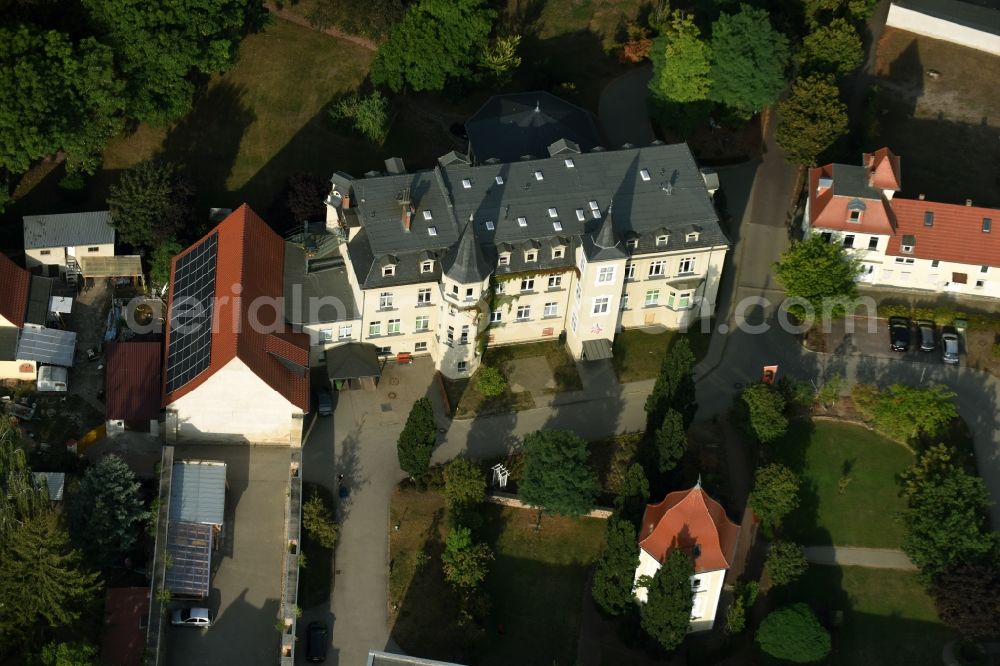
(785, 563)
(760, 413)
(775, 494)
(490, 382)
(318, 520)
(368, 115)
(794, 634)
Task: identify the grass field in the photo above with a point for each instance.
(863, 512)
(639, 352)
(878, 616)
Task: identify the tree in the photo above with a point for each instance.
(967, 596)
(744, 596)
(681, 61)
(42, 578)
(748, 61)
(368, 115)
(58, 95)
(465, 563)
(435, 41)
(490, 382)
(371, 18)
(615, 570)
(907, 413)
(835, 48)
(69, 654)
(107, 516)
(633, 493)
(760, 413)
(667, 612)
(818, 273)
(674, 387)
(159, 262)
(151, 203)
(775, 494)
(671, 441)
(416, 441)
(794, 634)
(318, 520)
(556, 476)
(159, 45)
(811, 119)
(785, 563)
(500, 58)
(304, 197)
(464, 483)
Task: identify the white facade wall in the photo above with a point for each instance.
(595, 301)
(707, 588)
(547, 307)
(234, 403)
(57, 255)
(937, 28)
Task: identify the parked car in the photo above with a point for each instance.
(928, 336)
(899, 334)
(316, 642)
(324, 403)
(191, 617)
(949, 345)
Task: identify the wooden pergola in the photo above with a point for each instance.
(126, 266)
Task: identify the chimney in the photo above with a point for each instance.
(920, 197)
(346, 203)
(968, 202)
(407, 216)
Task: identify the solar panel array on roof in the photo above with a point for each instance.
(191, 309)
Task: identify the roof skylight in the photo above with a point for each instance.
(569, 163)
(553, 212)
(522, 221)
(428, 215)
(557, 225)
(432, 231)
(539, 176)
(466, 183)
(499, 180)
(644, 174)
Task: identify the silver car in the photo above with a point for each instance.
(949, 345)
(191, 617)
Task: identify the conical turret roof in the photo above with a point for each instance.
(465, 262)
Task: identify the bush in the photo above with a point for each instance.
(996, 350)
(794, 634)
(906, 413)
(785, 563)
(775, 495)
(760, 413)
(318, 520)
(368, 115)
(490, 382)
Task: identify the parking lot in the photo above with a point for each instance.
(867, 342)
(247, 568)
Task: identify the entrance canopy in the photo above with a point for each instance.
(595, 350)
(353, 360)
(112, 267)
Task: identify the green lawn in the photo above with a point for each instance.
(864, 512)
(560, 362)
(885, 617)
(640, 351)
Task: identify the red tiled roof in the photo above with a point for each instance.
(14, 284)
(830, 211)
(956, 235)
(123, 638)
(132, 380)
(883, 169)
(687, 518)
(250, 268)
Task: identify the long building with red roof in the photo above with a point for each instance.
(233, 368)
(692, 522)
(908, 243)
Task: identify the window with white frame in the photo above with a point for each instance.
(644, 174)
(432, 231)
(685, 265)
(531, 255)
(388, 271)
(499, 180)
(662, 239)
(423, 296)
(684, 299)
(539, 175)
(527, 284)
(385, 300)
(462, 366)
(573, 322)
(558, 252)
(556, 225)
(600, 305)
(523, 312)
(904, 260)
(345, 332)
(454, 290)
(325, 335)
(504, 259)
(463, 339)
(419, 346)
(451, 334)
(629, 271)
(423, 323)
(93, 249)
(555, 281)
(691, 237)
(605, 274)
(383, 351)
(579, 292)
(374, 328)
(569, 163)
(466, 183)
(657, 268)
(426, 266)
(653, 297)
(496, 316)
(624, 301)
(551, 310)
(393, 326)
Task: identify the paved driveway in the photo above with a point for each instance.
(246, 585)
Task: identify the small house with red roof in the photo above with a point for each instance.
(908, 243)
(233, 368)
(696, 524)
(132, 386)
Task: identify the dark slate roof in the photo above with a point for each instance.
(352, 360)
(39, 295)
(8, 343)
(465, 262)
(970, 14)
(852, 181)
(198, 492)
(323, 283)
(69, 229)
(509, 127)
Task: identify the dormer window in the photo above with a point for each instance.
(522, 221)
(553, 212)
(632, 243)
(580, 215)
(987, 225)
(539, 176)
(499, 180)
(432, 231)
(644, 174)
(557, 225)
(691, 237)
(558, 252)
(389, 271)
(428, 215)
(569, 163)
(490, 226)
(504, 259)
(531, 255)
(906, 249)
(906, 243)
(662, 239)
(593, 205)
(855, 216)
(466, 183)
(426, 266)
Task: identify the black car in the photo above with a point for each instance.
(928, 335)
(316, 641)
(899, 334)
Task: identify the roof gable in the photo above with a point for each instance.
(693, 522)
(883, 169)
(955, 233)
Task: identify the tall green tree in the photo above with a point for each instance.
(69, 654)
(820, 273)
(22, 498)
(681, 61)
(967, 596)
(811, 119)
(416, 441)
(667, 612)
(748, 61)
(615, 570)
(464, 483)
(674, 387)
(58, 95)
(557, 477)
(466, 563)
(107, 516)
(785, 563)
(907, 413)
(317, 519)
(500, 58)
(368, 115)
(633, 493)
(834, 48)
(775, 494)
(151, 204)
(671, 441)
(158, 46)
(437, 40)
(794, 634)
(759, 411)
